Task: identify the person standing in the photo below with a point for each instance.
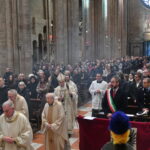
(68, 96)
(143, 97)
(114, 99)
(54, 124)
(3, 93)
(15, 129)
(97, 90)
(120, 131)
(20, 103)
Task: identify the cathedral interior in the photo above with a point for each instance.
(35, 32)
(67, 31)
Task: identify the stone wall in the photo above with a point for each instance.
(137, 17)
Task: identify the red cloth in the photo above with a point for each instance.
(94, 134)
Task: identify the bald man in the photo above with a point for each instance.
(53, 124)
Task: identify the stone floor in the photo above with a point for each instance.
(74, 140)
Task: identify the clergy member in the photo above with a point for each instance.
(68, 96)
(15, 130)
(54, 125)
(97, 90)
(20, 103)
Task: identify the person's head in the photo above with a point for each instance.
(131, 76)
(126, 77)
(62, 82)
(146, 82)
(50, 98)
(67, 78)
(21, 85)
(138, 76)
(33, 79)
(12, 94)
(1, 82)
(145, 73)
(57, 71)
(11, 78)
(41, 74)
(67, 75)
(8, 108)
(119, 127)
(8, 69)
(98, 77)
(115, 82)
(21, 76)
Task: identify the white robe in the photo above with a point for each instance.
(97, 98)
(21, 105)
(70, 104)
(59, 128)
(17, 127)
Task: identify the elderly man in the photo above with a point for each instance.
(15, 130)
(20, 103)
(68, 96)
(53, 124)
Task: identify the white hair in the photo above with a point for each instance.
(8, 102)
(50, 95)
(13, 91)
(21, 83)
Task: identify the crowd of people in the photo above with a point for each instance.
(118, 82)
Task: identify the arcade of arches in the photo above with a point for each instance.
(67, 31)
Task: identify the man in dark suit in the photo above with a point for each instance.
(136, 86)
(143, 97)
(114, 98)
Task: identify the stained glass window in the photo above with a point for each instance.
(146, 3)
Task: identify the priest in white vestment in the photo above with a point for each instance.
(15, 129)
(19, 102)
(97, 90)
(68, 96)
(54, 124)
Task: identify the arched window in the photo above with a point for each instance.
(146, 3)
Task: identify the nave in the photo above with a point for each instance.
(84, 110)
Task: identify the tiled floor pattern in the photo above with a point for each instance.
(74, 140)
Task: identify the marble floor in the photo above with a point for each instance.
(74, 140)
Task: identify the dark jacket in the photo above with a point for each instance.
(134, 90)
(54, 82)
(119, 100)
(32, 90)
(25, 93)
(111, 146)
(3, 96)
(143, 98)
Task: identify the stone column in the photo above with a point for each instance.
(107, 27)
(24, 36)
(3, 37)
(92, 35)
(60, 23)
(73, 31)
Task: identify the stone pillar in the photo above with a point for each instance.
(15, 47)
(24, 36)
(60, 23)
(107, 27)
(92, 37)
(3, 37)
(73, 31)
